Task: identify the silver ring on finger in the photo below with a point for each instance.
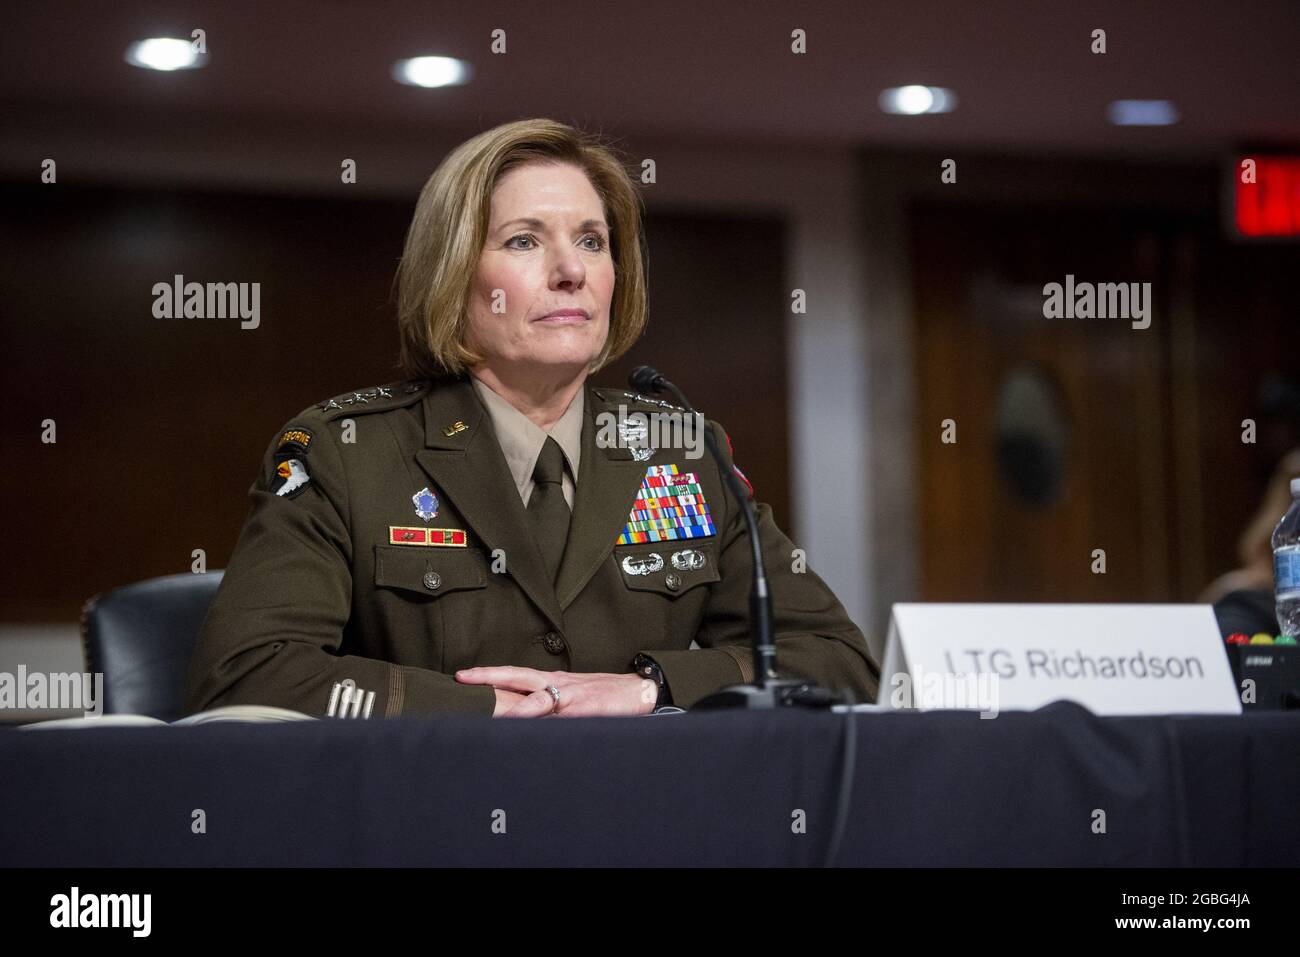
(555, 693)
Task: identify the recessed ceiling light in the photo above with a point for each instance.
(915, 100)
(165, 53)
(1142, 113)
(431, 71)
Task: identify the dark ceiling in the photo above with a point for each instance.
(1024, 73)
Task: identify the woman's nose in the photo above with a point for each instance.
(568, 268)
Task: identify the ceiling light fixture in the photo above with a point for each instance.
(432, 71)
(165, 53)
(917, 100)
(1142, 113)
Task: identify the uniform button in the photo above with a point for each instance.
(673, 582)
(432, 580)
(553, 642)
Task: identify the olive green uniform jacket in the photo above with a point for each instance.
(331, 580)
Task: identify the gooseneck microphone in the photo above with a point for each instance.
(767, 690)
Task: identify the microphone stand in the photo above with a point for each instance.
(767, 690)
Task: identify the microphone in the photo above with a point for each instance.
(767, 690)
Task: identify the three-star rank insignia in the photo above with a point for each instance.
(356, 398)
(290, 476)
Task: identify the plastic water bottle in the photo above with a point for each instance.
(1286, 565)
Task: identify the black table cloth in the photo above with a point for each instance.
(704, 789)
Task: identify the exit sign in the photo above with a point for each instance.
(1266, 196)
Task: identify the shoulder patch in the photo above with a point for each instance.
(736, 468)
(289, 473)
(380, 398)
(296, 437)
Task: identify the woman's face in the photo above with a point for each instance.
(547, 251)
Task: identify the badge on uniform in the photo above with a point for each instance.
(291, 476)
(426, 503)
(689, 560)
(426, 506)
(669, 506)
(349, 701)
(444, 537)
(634, 435)
(644, 564)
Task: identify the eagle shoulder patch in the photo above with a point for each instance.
(290, 475)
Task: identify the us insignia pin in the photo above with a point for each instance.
(454, 428)
(426, 503)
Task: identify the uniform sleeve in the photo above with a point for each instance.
(815, 638)
(273, 633)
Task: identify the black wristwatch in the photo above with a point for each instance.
(647, 667)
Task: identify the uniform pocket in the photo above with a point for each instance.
(670, 569)
(430, 572)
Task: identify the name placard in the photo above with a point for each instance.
(1112, 659)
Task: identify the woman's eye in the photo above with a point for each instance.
(596, 238)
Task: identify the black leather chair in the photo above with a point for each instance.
(141, 637)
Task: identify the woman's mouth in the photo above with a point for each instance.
(562, 317)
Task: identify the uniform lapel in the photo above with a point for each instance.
(608, 480)
(469, 467)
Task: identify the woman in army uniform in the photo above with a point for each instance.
(463, 541)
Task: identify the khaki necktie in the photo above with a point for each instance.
(547, 508)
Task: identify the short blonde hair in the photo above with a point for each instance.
(449, 228)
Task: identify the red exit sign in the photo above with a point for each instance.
(1267, 195)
